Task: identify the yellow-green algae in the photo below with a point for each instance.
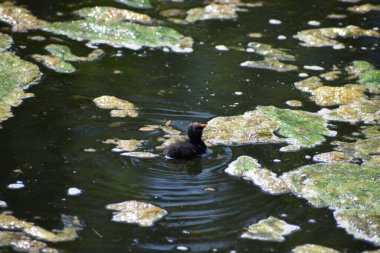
(313, 248)
(270, 63)
(309, 84)
(332, 157)
(270, 229)
(5, 42)
(364, 149)
(359, 67)
(124, 145)
(248, 168)
(19, 18)
(54, 63)
(328, 95)
(331, 75)
(364, 8)
(325, 37)
(122, 34)
(367, 73)
(64, 52)
(362, 224)
(143, 4)
(371, 131)
(20, 242)
(337, 186)
(136, 212)
(302, 129)
(119, 107)
(106, 13)
(268, 51)
(212, 11)
(15, 76)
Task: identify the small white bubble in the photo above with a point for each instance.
(73, 191)
(303, 74)
(314, 67)
(238, 93)
(221, 48)
(275, 22)
(314, 23)
(281, 37)
(182, 248)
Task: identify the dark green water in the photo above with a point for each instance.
(47, 136)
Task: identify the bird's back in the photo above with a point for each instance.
(184, 150)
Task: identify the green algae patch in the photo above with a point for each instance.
(359, 67)
(332, 157)
(328, 96)
(248, 168)
(313, 248)
(136, 212)
(337, 186)
(54, 63)
(5, 42)
(64, 52)
(309, 84)
(302, 129)
(105, 13)
(362, 224)
(331, 75)
(212, 11)
(251, 127)
(268, 51)
(370, 78)
(361, 110)
(119, 107)
(15, 76)
(364, 149)
(325, 37)
(270, 63)
(19, 18)
(124, 145)
(122, 34)
(142, 4)
(270, 229)
(371, 131)
(364, 8)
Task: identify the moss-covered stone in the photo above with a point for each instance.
(19, 18)
(55, 63)
(119, 107)
(301, 128)
(143, 4)
(5, 42)
(106, 13)
(270, 229)
(268, 51)
(364, 8)
(122, 34)
(64, 52)
(362, 224)
(270, 63)
(325, 37)
(124, 145)
(313, 248)
(212, 11)
(332, 157)
(15, 76)
(135, 212)
(337, 186)
(248, 168)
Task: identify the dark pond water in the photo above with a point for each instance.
(47, 137)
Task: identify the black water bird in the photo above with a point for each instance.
(190, 148)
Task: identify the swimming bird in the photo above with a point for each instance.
(190, 148)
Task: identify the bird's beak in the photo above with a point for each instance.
(203, 126)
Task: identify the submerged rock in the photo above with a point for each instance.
(313, 248)
(268, 51)
(332, 157)
(141, 213)
(325, 37)
(106, 13)
(64, 52)
(5, 42)
(270, 63)
(248, 168)
(212, 11)
(270, 229)
(16, 75)
(143, 4)
(19, 18)
(55, 63)
(124, 145)
(362, 224)
(364, 8)
(119, 107)
(337, 186)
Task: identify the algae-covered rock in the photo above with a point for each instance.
(122, 34)
(143, 4)
(251, 127)
(64, 52)
(19, 18)
(328, 95)
(139, 154)
(268, 51)
(15, 76)
(106, 13)
(119, 107)
(364, 8)
(270, 229)
(124, 145)
(248, 168)
(313, 248)
(303, 129)
(361, 110)
(5, 42)
(332, 157)
(309, 84)
(337, 186)
(212, 11)
(270, 63)
(141, 213)
(325, 37)
(362, 224)
(55, 63)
